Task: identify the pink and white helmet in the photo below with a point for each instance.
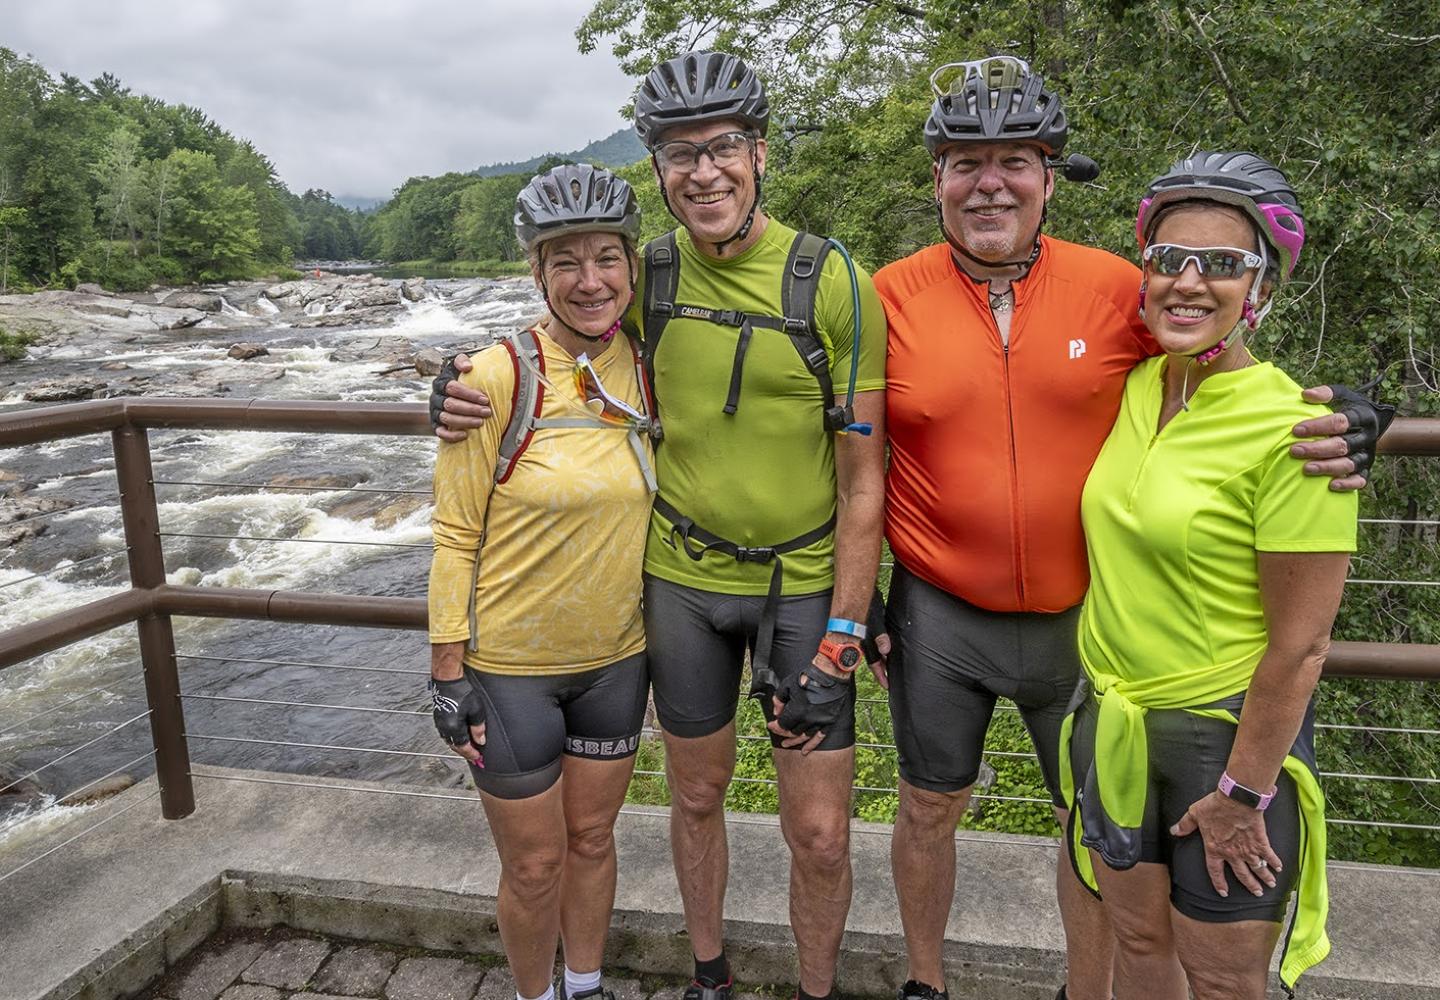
(1254, 185)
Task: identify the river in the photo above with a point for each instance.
(223, 658)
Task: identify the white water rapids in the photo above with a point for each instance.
(220, 657)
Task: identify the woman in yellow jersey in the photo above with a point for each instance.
(1216, 572)
(537, 661)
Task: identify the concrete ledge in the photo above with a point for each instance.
(105, 915)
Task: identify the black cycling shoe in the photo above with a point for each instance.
(704, 989)
(916, 990)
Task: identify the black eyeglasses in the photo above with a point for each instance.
(724, 150)
(1171, 259)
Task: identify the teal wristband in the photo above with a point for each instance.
(846, 627)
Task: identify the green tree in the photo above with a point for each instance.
(213, 227)
(485, 223)
(120, 175)
(12, 223)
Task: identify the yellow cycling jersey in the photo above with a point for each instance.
(552, 555)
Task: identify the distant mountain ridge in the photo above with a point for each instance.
(618, 149)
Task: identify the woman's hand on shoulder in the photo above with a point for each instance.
(1234, 835)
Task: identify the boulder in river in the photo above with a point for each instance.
(18, 513)
(413, 289)
(90, 288)
(428, 361)
(64, 389)
(204, 301)
(384, 294)
(244, 352)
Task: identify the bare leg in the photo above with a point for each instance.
(593, 791)
(1089, 941)
(922, 860)
(698, 772)
(1225, 961)
(530, 835)
(1138, 902)
(815, 818)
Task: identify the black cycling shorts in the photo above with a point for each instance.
(531, 722)
(948, 664)
(1187, 755)
(697, 642)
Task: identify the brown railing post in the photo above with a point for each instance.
(157, 640)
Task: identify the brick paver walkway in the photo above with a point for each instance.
(288, 965)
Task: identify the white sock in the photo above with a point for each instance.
(549, 994)
(578, 982)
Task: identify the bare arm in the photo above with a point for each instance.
(859, 524)
(860, 514)
(1300, 592)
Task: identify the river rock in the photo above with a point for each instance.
(428, 361)
(16, 513)
(61, 390)
(244, 352)
(104, 789)
(413, 289)
(383, 294)
(390, 350)
(114, 366)
(21, 788)
(184, 320)
(90, 288)
(204, 301)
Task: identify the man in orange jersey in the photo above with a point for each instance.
(1007, 358)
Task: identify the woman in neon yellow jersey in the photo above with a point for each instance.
(1216, 572)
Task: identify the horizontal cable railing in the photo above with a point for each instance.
(151, 602)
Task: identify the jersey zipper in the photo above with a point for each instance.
(1015, 519)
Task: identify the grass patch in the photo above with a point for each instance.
(14, 345)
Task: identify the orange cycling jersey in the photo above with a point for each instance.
(990, 444)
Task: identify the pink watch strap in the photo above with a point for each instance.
(1232, 789)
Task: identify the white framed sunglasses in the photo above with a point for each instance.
(1212, 262)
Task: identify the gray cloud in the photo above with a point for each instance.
(349, 96)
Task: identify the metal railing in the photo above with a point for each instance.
(151, 603)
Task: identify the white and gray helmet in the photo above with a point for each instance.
(575, 198)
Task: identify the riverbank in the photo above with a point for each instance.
(453, 269)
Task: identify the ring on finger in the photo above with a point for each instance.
(1260, 863)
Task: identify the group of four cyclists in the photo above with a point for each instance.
(685, 461)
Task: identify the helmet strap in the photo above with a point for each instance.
(960, 248)
(745, 226)
(609, 334)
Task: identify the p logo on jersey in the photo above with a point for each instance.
(1077, 348)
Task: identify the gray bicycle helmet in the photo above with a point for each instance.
(1248, 182)
(995, 100)
(699, 87)
(575, 198)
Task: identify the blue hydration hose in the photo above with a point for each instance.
(853, 425)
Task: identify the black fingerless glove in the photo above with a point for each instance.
(816, 705)
(448, 373)
(1368, 420)
(456, 706)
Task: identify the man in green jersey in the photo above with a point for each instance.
(766, 531)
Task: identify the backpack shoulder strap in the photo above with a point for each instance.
(525, 400)
(799, 287)
(662, 282)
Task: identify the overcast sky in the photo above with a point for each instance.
(353, 96)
